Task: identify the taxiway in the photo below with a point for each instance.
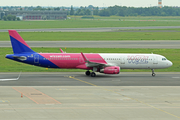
(168, 44)
(37, 96)
(80, 79)
(100, 29)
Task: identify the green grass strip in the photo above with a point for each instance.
(94, 36)
(79, 23)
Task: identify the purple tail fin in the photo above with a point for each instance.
(18, 44)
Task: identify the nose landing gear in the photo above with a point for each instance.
(153, 74)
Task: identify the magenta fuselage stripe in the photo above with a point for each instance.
(72, 60)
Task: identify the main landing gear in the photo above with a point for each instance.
(153, 74)
(88, 73)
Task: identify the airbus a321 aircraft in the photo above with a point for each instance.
(95, 62)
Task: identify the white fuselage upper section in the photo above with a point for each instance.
(136, 61)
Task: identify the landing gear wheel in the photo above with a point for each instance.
(153, 74)
(88, 73)
(93, 74)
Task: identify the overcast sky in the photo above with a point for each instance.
(99, 3)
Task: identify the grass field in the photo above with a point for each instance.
(7, 65)
(73, 36)
(79, 23)
(131, 18)
(76, 22)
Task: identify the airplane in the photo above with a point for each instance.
(107, 63)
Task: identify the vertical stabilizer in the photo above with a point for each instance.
(18, 44)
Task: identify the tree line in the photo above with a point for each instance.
(11, 18)
(126, 11)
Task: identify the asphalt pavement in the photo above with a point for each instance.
(174, 44)
(100, 29)
(80, 79)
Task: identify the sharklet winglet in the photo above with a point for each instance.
(84, 57)
(61, 50)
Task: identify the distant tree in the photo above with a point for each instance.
(68, 12)
(13, 18)
(49, 8)
(147, 11)
(78, 12)
(4, 18)
(81, 13)
(39, 8)
(72, 10)
(90, 7)
(9, 17)
(18, 19)
(121, 13)
(96, 11)
(58, 8)
(104, 12)
(81, 7)
(88, 12)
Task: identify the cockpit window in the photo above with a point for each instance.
(164, 59)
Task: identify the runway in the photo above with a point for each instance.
(103, 29)
(80, 79)
(76, 96)
(174, 44)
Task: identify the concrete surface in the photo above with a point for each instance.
(70, 79)
(99, 29)
(74, 96)
(174, 44)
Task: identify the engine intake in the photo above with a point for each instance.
(111, 70)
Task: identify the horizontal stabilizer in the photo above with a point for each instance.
(11, 78)
(20, 57)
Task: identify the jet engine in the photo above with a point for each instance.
(111, 70)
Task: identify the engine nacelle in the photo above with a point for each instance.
(111, 70)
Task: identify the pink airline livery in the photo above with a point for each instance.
(96, 62)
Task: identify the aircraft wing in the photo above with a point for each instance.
(94, 64)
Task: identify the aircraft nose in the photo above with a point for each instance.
(170, 63)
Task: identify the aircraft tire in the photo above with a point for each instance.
(153, 74)
(88, 73)
(93, 74)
